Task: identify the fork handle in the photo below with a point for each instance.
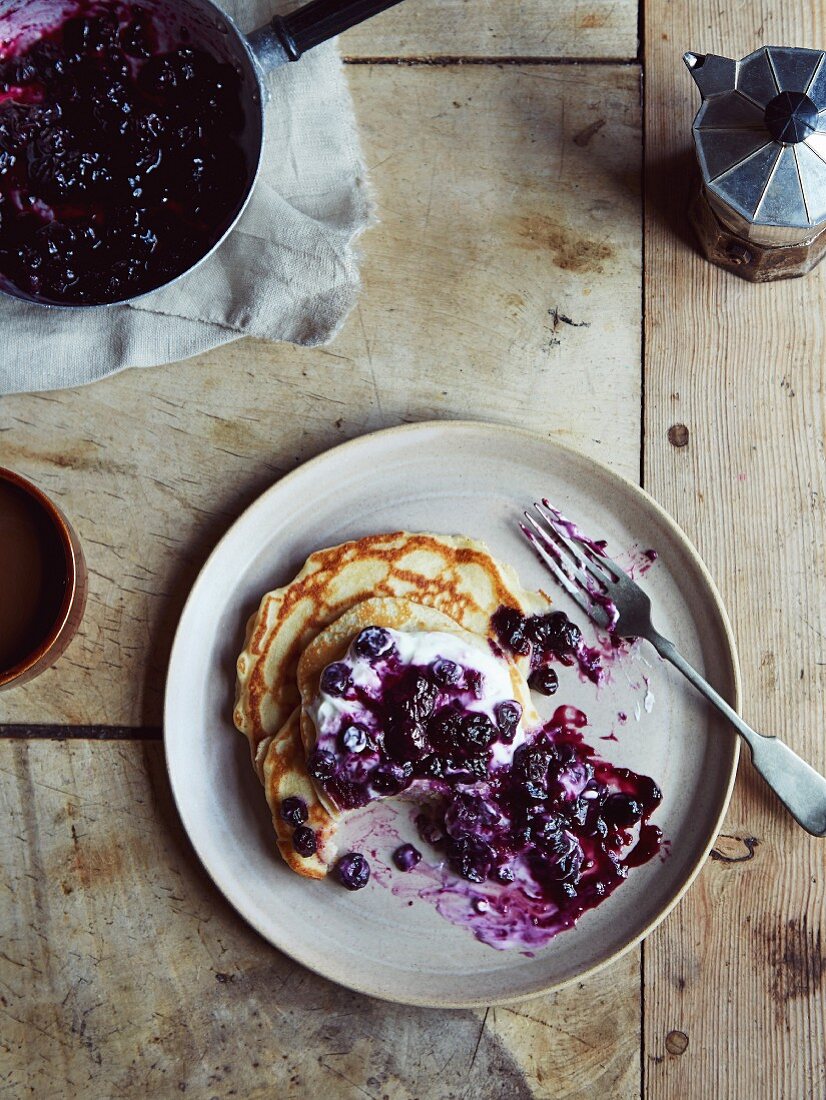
(799, 787)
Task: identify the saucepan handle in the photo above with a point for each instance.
(287, 37)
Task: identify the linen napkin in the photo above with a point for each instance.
(287, 272)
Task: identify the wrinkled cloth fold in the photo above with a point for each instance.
(287, 272)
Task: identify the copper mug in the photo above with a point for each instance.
(43, 581)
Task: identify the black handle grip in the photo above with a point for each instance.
(323, 19)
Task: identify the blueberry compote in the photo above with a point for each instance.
(121, 160)
(402, 708)
(543, 839)
(545, 638)
(533, 828)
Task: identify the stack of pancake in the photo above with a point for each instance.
(401, 581)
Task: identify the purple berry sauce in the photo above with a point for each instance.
(539, 843)
(546, 638)
(121, 154)
(532, 828)
(404, 724)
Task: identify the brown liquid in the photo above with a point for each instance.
(32, 575)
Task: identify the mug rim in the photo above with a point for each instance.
(60, 523)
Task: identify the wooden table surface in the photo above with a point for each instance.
(504, 282)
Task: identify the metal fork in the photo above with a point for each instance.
(616, 603)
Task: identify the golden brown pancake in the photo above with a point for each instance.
(285, 775)
(453, 574)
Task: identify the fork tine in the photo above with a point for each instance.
(597, 556)
(578, 550)
(565, 561)
(552, 562)
(552, 558)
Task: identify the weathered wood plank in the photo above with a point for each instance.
(125, 974)
(735, 1001)
(499, 28)
(509, 202)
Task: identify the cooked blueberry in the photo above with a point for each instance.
(623, 811)
(336, 678)
(447, 673)
(530, 769)
(572, 777)
(468, 769)
(429, 830)
(509, 626)
(545, 631)
(354, 738)
(547, 830)
(469, 813)
(168, 74)
(346, 793)
(578, 812)
(321, 764)
(358, 767)
(571, 637)
(475, 682)
(478, 732)
(373, 641)
(404, 740)
(470, 857)
(597, 827)
(544, 680)
(294, 810)
(135, 38)
(430, 767)
(504, 873)
(564, 858)
(554, 633)
(391, 778)
(406, 857)
(93, 34)
(304, 841)
(353, 871)
(413, 696)
(444, 730)
(508, 715)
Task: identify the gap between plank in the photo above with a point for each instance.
(460, 59)
(23, 732)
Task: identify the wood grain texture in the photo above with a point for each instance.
(735, 982)
(503, 283)
(123, 973)
(499, 28)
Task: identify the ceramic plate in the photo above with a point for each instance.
(472, 479)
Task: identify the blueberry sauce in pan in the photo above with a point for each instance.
(121, 160)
